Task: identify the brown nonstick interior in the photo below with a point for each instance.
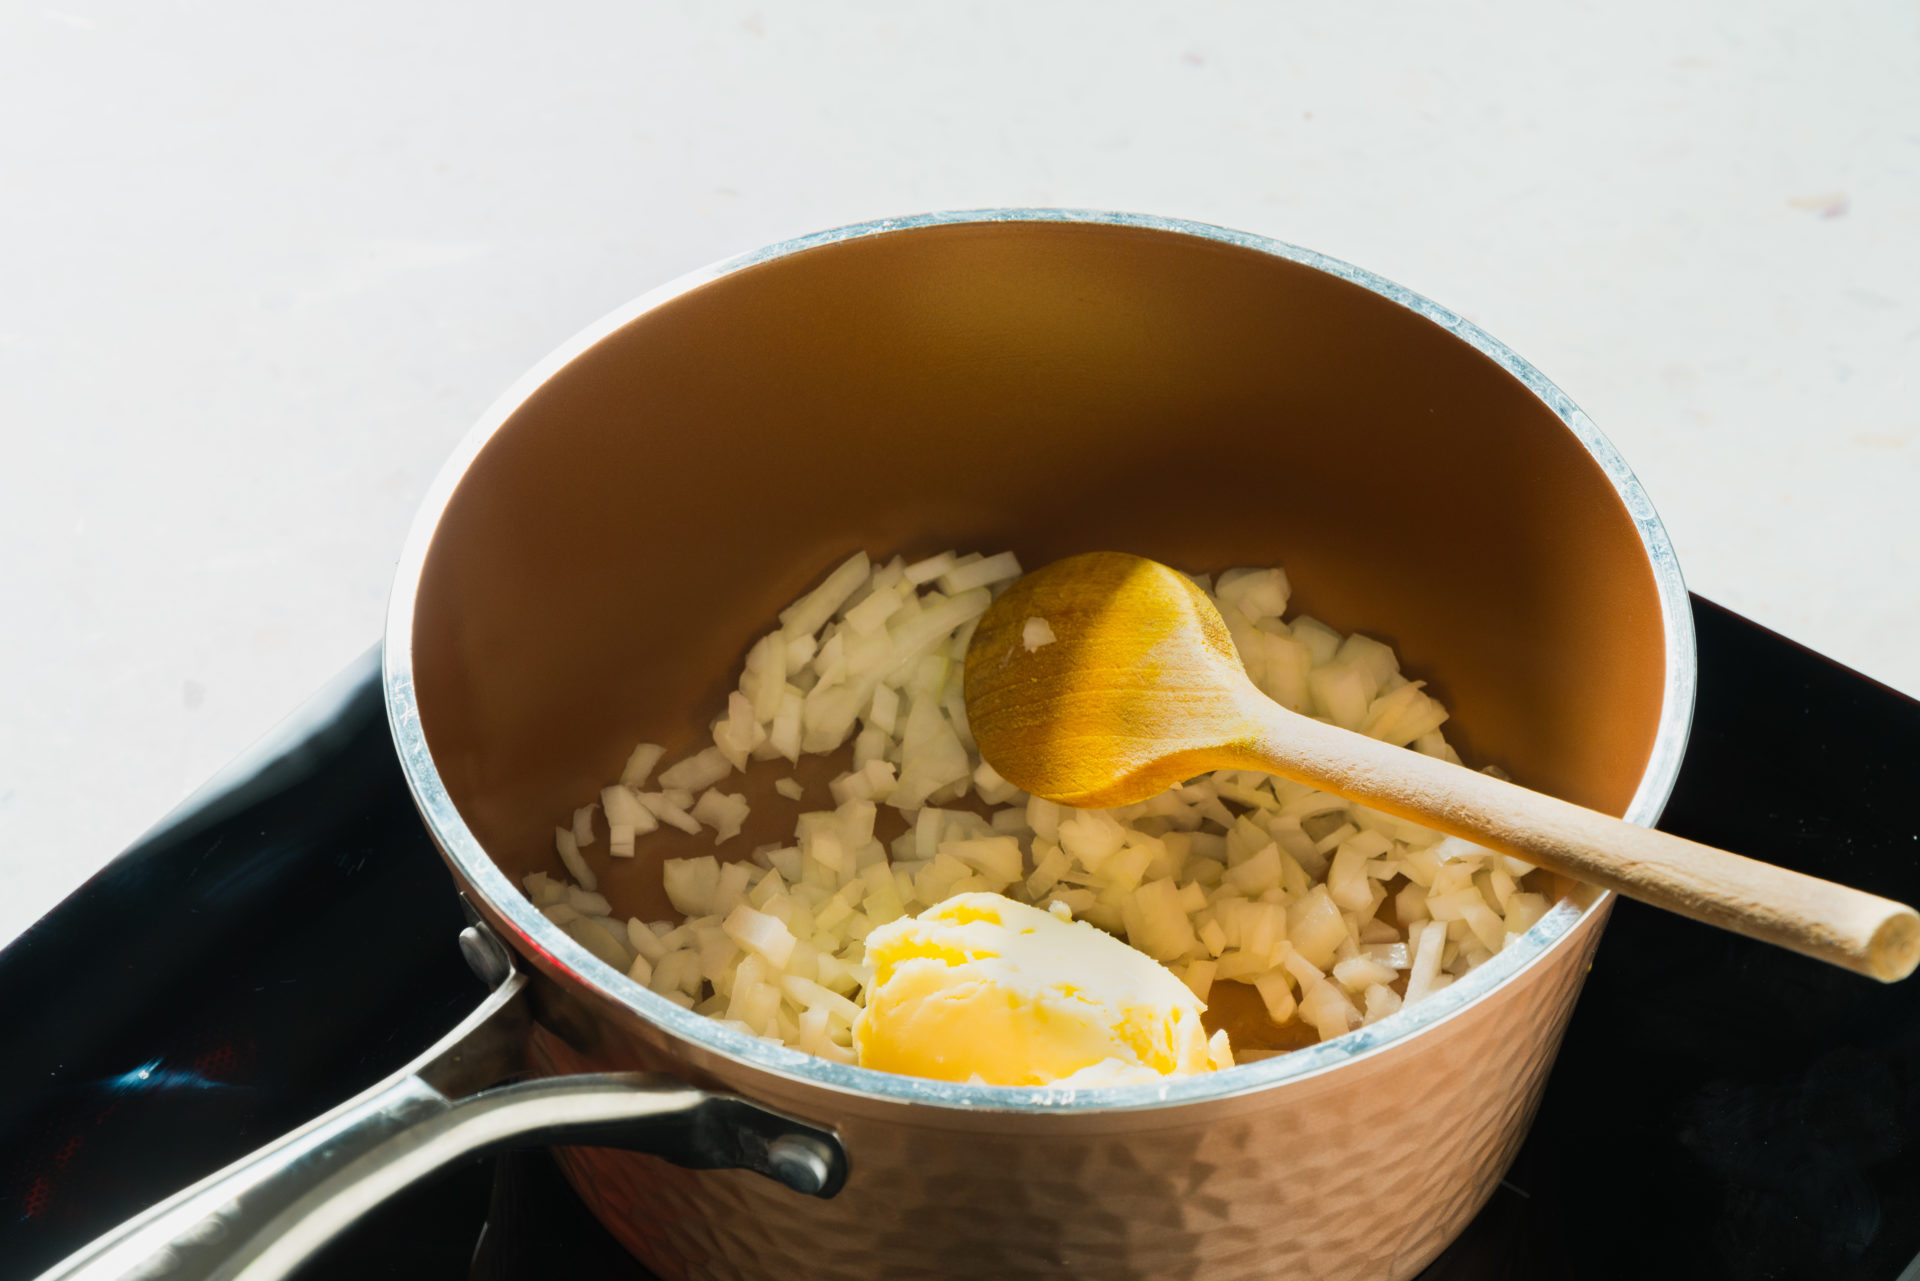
(1051, 387)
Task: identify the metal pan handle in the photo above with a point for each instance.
(261, 1217)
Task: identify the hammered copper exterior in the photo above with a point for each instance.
(590, 573)
(1367, 1172)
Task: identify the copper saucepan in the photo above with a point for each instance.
(590, 567)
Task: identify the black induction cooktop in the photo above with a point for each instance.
(1719, 1109)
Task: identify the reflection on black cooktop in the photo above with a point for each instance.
(1719, 1109)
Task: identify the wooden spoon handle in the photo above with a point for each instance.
(1846, 927)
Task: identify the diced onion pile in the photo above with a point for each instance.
(1233, 877)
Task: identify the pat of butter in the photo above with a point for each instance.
(981, 988)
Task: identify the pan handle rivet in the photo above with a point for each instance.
(799, 1161)
(484, 955)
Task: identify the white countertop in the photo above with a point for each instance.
(261, 266)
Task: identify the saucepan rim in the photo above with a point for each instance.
(538, 935)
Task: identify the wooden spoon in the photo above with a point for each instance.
(1141, 689)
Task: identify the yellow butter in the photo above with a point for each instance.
(981, 988)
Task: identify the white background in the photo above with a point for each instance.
(261, 266)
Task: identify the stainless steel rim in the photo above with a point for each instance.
(536, 932)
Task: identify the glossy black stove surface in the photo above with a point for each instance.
(1718, 1110)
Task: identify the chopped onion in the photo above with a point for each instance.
(1276, 993)
(805, 616)
(576, 866)
(599, 940)
(1234, 877)
(664, 808)
(640, 764)
(1257, 593)
(623, 809)
(587, 902)
(690, 883)
(981, 573)
(925, 571)
(701, 770)
(875, 610)
(1341, 692)
(761, 933)
(1328, 1010)
(723, 812)
(643, 939)
(1198, 976)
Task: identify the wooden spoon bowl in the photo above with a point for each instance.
(1140, 688)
